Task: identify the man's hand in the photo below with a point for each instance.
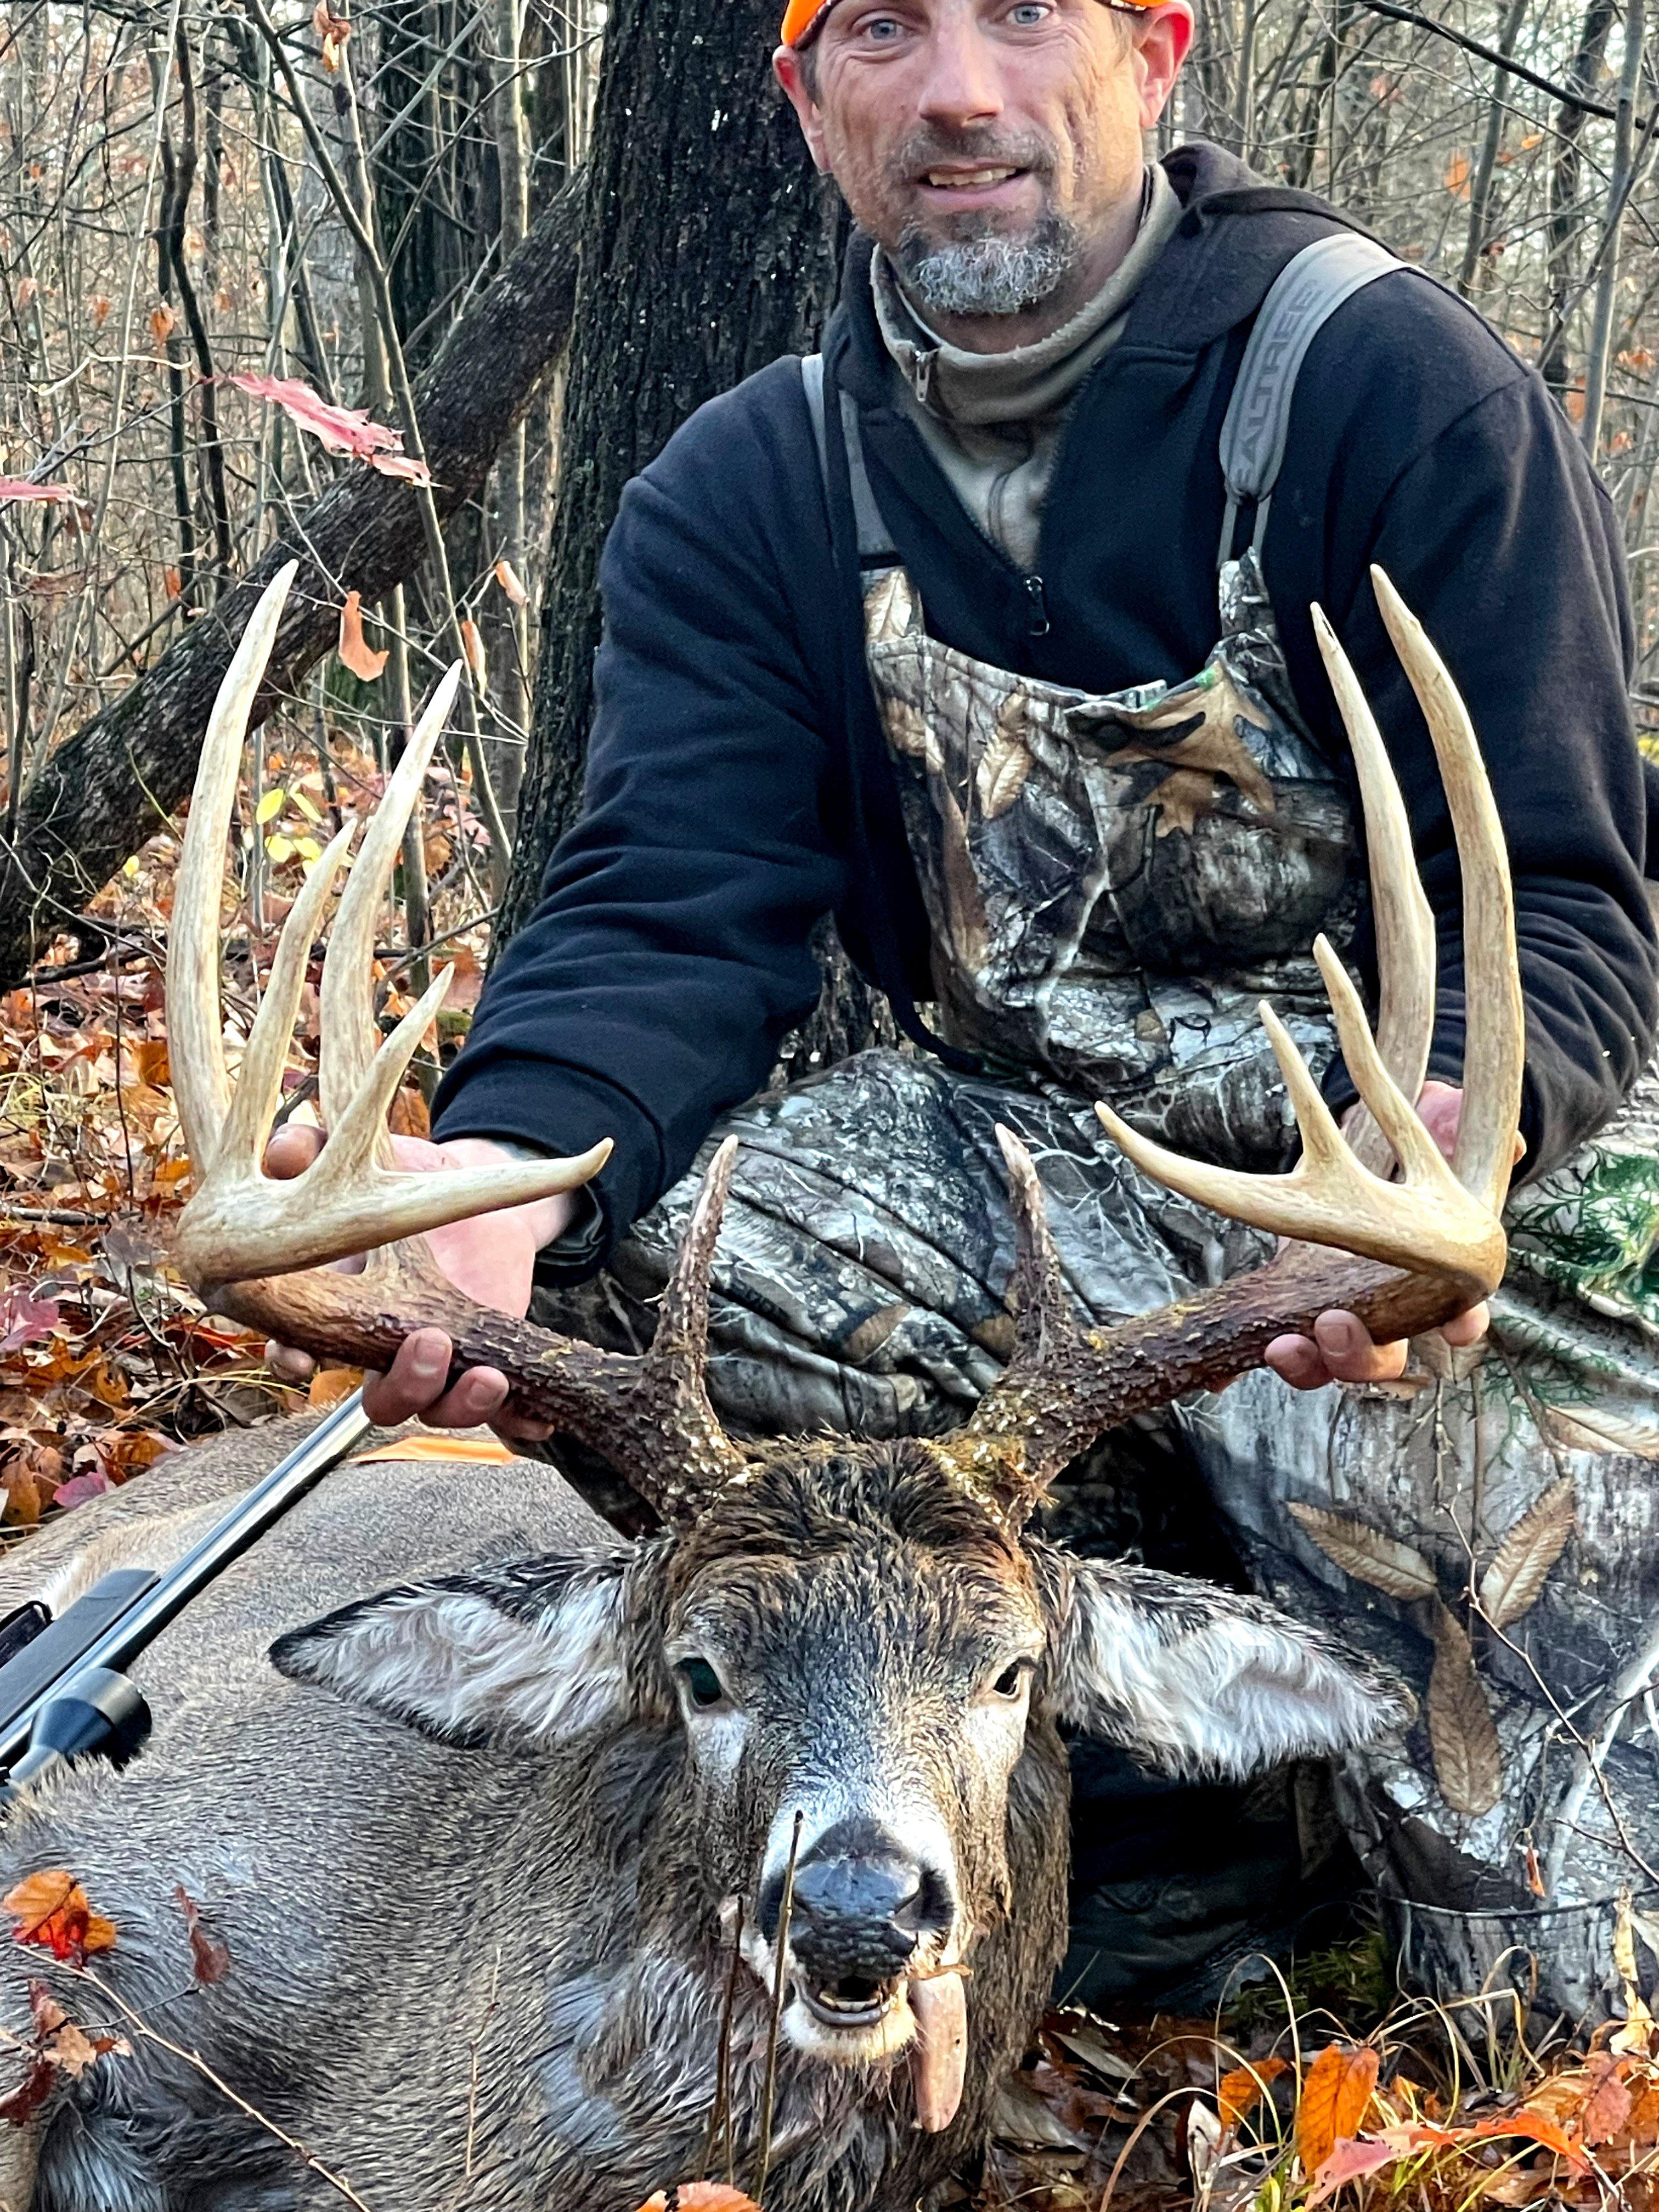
(1340, 1349)
(491, 1259)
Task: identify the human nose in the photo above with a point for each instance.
(962, 84)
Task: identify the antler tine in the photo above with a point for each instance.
(195, 1023)
(350, 1037)
(1494, 1050)
(1402, 916)
(673, 1378)
(238, 1226)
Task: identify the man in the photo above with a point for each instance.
(1056, 780)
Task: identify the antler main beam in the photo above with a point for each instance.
(1404, 1254)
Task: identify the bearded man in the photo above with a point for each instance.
(987, 631)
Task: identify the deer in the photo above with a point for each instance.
(555, 1869)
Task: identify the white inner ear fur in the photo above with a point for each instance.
(452, 1663)
(1198, 1680)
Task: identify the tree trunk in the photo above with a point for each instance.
(113, 783)
(708, 250)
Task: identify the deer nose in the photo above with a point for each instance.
(862, 1903)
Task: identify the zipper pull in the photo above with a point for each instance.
(1039, 607)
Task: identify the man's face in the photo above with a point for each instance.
(992, 147)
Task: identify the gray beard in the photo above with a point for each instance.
(987, 275)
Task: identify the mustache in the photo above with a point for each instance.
(930, 148)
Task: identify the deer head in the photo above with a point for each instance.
(859, 1653)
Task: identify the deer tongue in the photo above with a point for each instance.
(938, 2056)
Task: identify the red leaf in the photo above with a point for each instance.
(25, 1320)
(51, 1909)
(338, 429)
(21, 488)
(1350, 2161)
(209, 1961)
(79, 1487)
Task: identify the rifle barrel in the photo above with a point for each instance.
(240, 1527)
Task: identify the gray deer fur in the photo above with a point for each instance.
(473, 1828)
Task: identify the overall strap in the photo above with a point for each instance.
(876, 547)
(1306, 294)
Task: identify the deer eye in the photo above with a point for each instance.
(1010, 1683)
(703, 1684)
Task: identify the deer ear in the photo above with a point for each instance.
(524, 1653)
(1198, 1680)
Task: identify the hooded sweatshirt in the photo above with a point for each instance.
(739, 785)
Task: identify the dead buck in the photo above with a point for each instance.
(481, 1845)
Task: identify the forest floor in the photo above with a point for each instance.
(1326, 2086)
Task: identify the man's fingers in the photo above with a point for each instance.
(288, 1363)
(292, 1150)
(1298, 1361)
(1350, 1354)
(1468, 1327)
(415, 1381)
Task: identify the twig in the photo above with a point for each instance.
(142, 2028)
(722, 2106)
(769, 2088)
(1482, 51)
(60, 1217)
(472, 2076)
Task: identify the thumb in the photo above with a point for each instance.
(292, 1150)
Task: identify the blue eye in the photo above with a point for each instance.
(702, 1683)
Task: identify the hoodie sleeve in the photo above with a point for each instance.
(669, 953)
(1501, 540)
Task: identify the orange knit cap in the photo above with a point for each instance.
(801, 16)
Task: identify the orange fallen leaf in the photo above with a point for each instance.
(507, 577)
(1246, 2086)
(475, 652)
(50, 1909)
(703, 2197)
(329, 1385)
(355, 651)
(1334, 2096)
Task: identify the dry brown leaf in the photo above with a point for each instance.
(50, 1909)
(1468, 1763)
(507, 577)
(1005, 763)
(1609, 2104)
(1367, 1555)
(209, 1959)
(355, 651)
(1244, 2087)
(1334, 2095)
(1522, 1563)
(472, 645)
(162, 323)
(1592, 1429)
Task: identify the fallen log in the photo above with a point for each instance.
(101, 792)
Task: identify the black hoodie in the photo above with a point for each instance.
(738, 787)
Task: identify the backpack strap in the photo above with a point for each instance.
(1307, 292)
(876, 547)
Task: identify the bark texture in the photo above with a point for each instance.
(109, 786)
(708, 248)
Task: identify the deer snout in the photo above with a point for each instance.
(863, 1905)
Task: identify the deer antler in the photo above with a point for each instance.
(255, 1247)
(1438, 1223)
